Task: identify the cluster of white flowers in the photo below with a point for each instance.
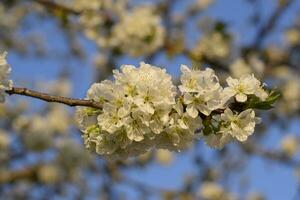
(290, 89)
(292, 36)
(32, 128)
(4, 140)
(110, 24)
(139, 32)
(60, 87)
(244, 86)
(10, 19)
(201, 91)
(291, 95)
(136, 108)
(240, 67)
(71, 156)
(213, 191)
(142, 109)
(97, 16)
(49, 174)
(232, 125)
(212, 46)
(203, 4)
(290, 145)
(5, 83)
(163, 156)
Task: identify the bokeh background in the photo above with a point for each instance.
(51, 49)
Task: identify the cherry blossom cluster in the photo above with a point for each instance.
(137, 31)
(143, 109)
(5, 83)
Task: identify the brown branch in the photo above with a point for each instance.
(53, 98)
(29, 172)
(55, 6)
(271, 155)
(270, 24)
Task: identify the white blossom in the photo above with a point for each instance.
(201, 91)
(292, 36)
(291, 95)
(33, 132)
(70, 154)
(139, 32)
(60, 87)
(239, 126)
(58, 119)
(213, 46)
(244, 86)
(95, 15)
(213, 191)
(49, 174)
(240, 67)
(163, 156)
(180, 131)
(203, 4)
(255, 196)
(4, 140)
(217, 140)
(141, 109)
(5, 83)
(290, 145)
(136, 107)
(82, 5)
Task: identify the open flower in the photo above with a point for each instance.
(139, 32)
(201, 91)
(218, 140)
(246, 85)
(180, 131)
(136, 109)
(5, 83)
(239, 126)
(141, 109)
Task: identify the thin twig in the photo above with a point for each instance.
(53, 98)
(271, 155)
(270, 24)
(55, 6)
(29, 172)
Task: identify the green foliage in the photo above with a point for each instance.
(256, 103)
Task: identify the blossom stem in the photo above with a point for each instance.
(53, 98)
(55, 6)
(266, 29)
(26, 173)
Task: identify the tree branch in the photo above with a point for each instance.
(54, 5)
(270, 24)
(29, 172)
(268, 154)
(53, 98)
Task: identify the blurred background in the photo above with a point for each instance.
(63, 46)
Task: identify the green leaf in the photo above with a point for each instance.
(220, 27)
(256, 103)
(207, 126)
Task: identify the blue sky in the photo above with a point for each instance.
(276, 181)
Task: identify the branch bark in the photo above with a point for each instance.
(53, 5)
(270, 24)
(52, 98)
(29, 172)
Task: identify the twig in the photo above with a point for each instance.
(55, 6)
(53, 98)
(29, 172)
(271, 155)
(270, 24)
